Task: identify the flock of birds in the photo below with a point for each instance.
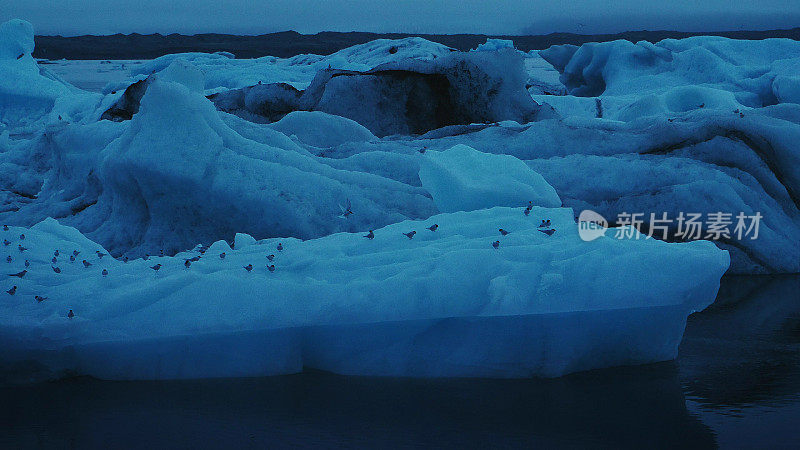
(545, 227)
(86, 264)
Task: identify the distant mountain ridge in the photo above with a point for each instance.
(290, 43)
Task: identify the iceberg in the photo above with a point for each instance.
(443, 303)
(464, 179)
(364, 212)
(222, 72)
(677, 75)
(32, 96)
(177, 174)
(114, 180)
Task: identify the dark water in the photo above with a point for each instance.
(736, 384)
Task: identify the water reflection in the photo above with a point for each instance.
(745, 349)
(631, 407)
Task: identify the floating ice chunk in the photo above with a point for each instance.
(445, 303)
(417, 96)
(321, 129)
(179, 175)
(694, 73)
(492, 45)
(223, 72)
(464, 179)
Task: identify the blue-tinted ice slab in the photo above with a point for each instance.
(444, 303)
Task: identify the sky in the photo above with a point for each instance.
(76, 17)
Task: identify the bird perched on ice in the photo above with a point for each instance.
(545, 223)
(125, 259)
(187, 263)
(222, 255)
(548, 232)
(100, 254)
(5, 227)
(71, 258)
(496, 244)
(347, 209)
(104, 272)
(434, 227)
(56, 270)
(86, 263)
(502, 231)
(18, 274)
(76, 253)
(27, 263)
(279, 247)
(6, 242)
(271, 267)
(410, 234)
(39, 298)
(54, 260)
(56, 253)
(12, 291)
(70, 314)
(8, 259)
(370, 235)
(21, 237)
(527, 211)
(270, 257)
(248, 267)
(21, 248)
(157, 267)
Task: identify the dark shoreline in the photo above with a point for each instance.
(290, 43)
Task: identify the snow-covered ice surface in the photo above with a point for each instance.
(221, 72)
(391, 136)
(443, 303)
(698, 125)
